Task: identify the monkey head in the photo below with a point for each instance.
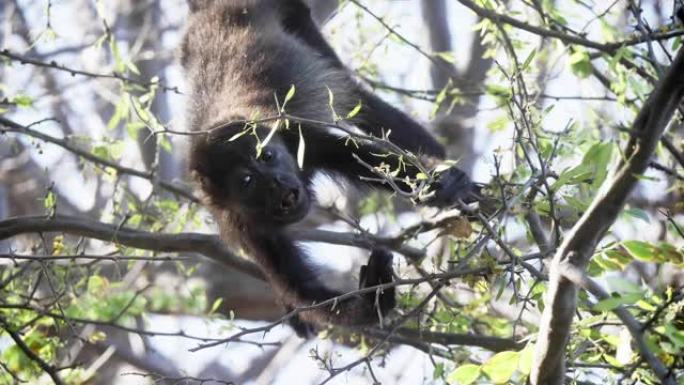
(259, 182)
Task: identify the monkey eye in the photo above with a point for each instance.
(267, 155)
(246, 180)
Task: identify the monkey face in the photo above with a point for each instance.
(265, 187)
(269, 187)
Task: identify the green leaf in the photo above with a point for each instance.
(675, 335)
(288, 97)
(96, 284)
(117, 149)
(267, 139)
(23, 100)
(525, 360)
(639, 250)
(447, 56)
(215, 305)
(529, 59)
(238, 135)
(671, 254)
(101, 151)
(639, 214)
(498, 91)
(498, 124)
(617, 300)
(500, 367)
(464, 374)
(580, 63)
(354, 110)
(133, 128)
(331, 104)
(300, 149)
(438, 371)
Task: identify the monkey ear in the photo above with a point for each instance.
(201, 178)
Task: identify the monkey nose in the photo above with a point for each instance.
(290, 199)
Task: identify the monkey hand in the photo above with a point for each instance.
(303, 329)
(453, 186)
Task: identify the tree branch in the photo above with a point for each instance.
(208, 245)
(11, 126)
(44, 366)
(73, 72)
(580, 243)
(567, 38)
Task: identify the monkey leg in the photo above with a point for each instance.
(379, 271)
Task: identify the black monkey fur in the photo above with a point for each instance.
(240, 56)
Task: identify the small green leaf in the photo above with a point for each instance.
(354, 110)
(438, 371)
(447, 56)
(238, 135)
(580, 63)
(500, 367)
(529, 59)
(498, 124)
(617, 300)
(289, 96)
(638, 213)
(464, 374)
(642, 251)
(215, 305)
(267, 139)
(300, 149)
(23, 100)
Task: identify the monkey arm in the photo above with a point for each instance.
(287, 267)
(377, 117)
(296, 19)
(359, 162)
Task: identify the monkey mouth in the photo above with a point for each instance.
(293, 206)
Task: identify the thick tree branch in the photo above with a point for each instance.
(494, 344)
(208, 245)
(579, 244)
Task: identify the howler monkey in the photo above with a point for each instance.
(242, 59)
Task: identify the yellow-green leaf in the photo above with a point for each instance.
(501, 366)
(355, 110)
(464, 375)
(525, 361)
(288, 97)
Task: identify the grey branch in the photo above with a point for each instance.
(210, 246)
(580, 243)
(567, 38)
(7, 125)
(206, 244)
